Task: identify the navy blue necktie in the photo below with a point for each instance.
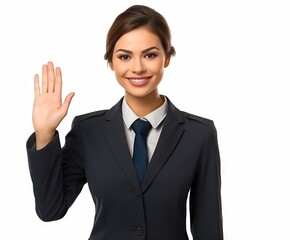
(140, 158)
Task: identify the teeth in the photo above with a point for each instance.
(138, 80)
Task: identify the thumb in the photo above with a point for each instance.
(67, 101)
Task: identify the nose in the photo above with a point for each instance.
(138, 66)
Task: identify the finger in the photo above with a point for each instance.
(44, 79)
(36, 85)
(51, 77)
(58, 80)
(67, 101)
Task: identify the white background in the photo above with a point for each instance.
(232, 66)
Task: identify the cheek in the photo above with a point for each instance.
(119, 69)
(157, 67)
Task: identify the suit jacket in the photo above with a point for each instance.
(186, 160)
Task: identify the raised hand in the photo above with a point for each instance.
(48, 108)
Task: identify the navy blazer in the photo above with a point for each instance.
(186, 160)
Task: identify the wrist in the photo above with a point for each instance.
(43, 138)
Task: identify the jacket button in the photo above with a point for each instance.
(139, 231)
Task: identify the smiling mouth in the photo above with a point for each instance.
(139, 81)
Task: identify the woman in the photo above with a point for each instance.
(134, 199)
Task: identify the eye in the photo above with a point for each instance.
(124, 57)
(150, 55)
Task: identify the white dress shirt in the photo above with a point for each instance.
(156, 120)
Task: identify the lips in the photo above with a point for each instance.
(138, 81)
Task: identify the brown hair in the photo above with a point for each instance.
(139, 16)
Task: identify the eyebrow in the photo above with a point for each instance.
(130, 52)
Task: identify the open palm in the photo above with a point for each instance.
(48, 108)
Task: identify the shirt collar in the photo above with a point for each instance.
(155, 117)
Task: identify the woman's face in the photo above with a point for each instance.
(138, 62)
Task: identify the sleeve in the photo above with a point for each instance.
(57, 174)
(205, 196)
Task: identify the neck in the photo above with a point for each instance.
(142, 106)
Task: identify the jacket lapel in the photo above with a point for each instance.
(114, 130)
(171, 133)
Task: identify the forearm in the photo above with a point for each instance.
(47, 178)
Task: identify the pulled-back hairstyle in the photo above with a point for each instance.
(135, 17)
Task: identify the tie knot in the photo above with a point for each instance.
(142, 127)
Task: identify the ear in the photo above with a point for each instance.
(111, 65)
(167, 61)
